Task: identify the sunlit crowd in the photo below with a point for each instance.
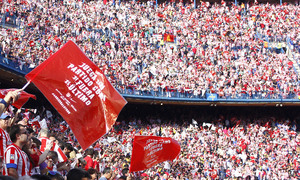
(241, 51)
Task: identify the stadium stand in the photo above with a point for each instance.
(234, 52)
(243, 52)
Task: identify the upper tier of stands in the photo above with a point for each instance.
(227, 51)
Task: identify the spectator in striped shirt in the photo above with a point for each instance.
(4, 136)
(16, 160)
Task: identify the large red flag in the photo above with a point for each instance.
(80, 92)
(24, 96)
(148, 151)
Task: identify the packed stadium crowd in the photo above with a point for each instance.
(225, 145)
(233, 51)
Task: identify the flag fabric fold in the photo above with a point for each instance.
(148, 151)
(80, 92)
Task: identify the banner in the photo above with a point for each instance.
(169, 38)
(148, 151)
(211, 97)
(157, 36)
(80, 92)
(24, 96)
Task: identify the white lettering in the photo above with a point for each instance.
(61, 103)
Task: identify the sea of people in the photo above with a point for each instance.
(237, 143)
(233, 51)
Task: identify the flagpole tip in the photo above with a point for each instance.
(27, 84)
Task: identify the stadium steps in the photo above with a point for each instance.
(291, 58)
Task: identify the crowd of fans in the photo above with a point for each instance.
(233, 51)
(214, 145)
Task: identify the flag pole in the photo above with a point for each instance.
(27, 84)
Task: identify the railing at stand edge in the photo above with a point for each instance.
(164, 93)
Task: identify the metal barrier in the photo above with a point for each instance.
(189, 95)
(14, 65)
(23, 69)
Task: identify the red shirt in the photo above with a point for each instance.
(89, 162)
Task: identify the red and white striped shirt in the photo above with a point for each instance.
(61, 155)
(17, 159)
(4, 142)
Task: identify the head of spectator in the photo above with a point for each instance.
(122, 178)
(93, 172)
(4, 121)
(67, 149)
(36, 143)
(107, 173)
(53, 138)
(18, 135)
(78, 174)
(53, 175)
(89, 152)
(52, 157)
(96, 156)
(125, 172)
(51, 161)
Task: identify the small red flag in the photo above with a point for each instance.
(161, 15)
(61, 156)
(148, 151)
(80, 92)
(24, 96)
(63, 128)
(169, 38)
(35, 122)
